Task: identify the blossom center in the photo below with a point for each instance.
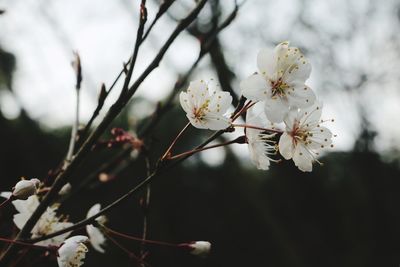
(279, 87)
(200, 112)
(299, 134)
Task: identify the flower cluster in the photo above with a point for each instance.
(280, 103)
(71, 251)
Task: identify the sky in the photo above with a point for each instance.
(344, 41)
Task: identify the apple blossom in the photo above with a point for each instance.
(205, 106)
(72, 252)
(48, 223)
(304, 137)
(280, 81)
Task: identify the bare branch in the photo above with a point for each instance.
(115, 109)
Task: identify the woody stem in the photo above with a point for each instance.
(174, 142)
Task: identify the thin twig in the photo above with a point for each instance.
(159, 170)
(78, 70)
(238, 140)
(5, 202)
(153, 242)
(115, 109)
(145, 205)
(168, 151)
(105, 93)
(127, 251)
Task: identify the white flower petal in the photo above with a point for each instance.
(286, 147)
(302, 70)
(185, 102)
(259, 143)
(197, 92)
(310, 117)
(266, 62)
(6, 194)
(259, 156)
(301, 96)
(215, 122)
(255, 88)
(54, 227)
(276, 109)
(321, 138)
(96, 237)
(302, 158)
(291, 64)
(220, 102)
(291, 117)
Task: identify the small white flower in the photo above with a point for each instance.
(48, 223)
(205, 106)
(65, 189)
(260, 144)
(304, 137)
(280, 81)
(72, 252)
(200, 248)
(26, 188)
(96, 237)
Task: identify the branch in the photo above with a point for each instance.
(115, 109)
(78, 70)
(104, 93)
(160, 168)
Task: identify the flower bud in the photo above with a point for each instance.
(200, 248)
(65, 189)
(26, 188)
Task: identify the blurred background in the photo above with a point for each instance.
(344, 213)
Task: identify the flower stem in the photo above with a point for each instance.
(166, 154)
(127, 251)
(5, 202)
(244, 109)
(27, 244)
(153, 242)
(257, 128)
(238, 140)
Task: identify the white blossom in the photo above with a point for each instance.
(48, 223)
(96, 237)
(259, 142)
(280, 81)
(26, 188)
(304, 137)
(205, 105)
(200, 248)
(72, 252)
